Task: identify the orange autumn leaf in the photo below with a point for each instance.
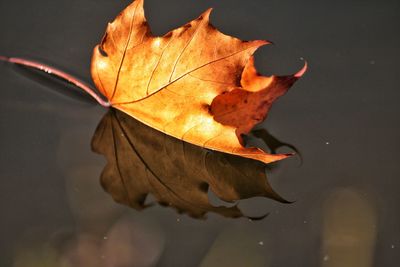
(194, 83)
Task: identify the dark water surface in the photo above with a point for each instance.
(343, 117)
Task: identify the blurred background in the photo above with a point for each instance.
(343, 117)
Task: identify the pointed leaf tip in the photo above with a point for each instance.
(301, 72)
(206, 14)
(262, 42)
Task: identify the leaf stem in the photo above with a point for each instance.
(58, 73)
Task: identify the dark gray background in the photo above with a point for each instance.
(343, 116)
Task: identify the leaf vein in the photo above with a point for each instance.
(183, 75)
(183, 50)
(123, 55)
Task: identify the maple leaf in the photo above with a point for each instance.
(142, 161)
(194, 83)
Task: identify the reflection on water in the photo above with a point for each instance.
(144, 161)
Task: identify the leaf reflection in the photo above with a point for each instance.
(143, 161)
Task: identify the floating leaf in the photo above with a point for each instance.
(194, 83)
